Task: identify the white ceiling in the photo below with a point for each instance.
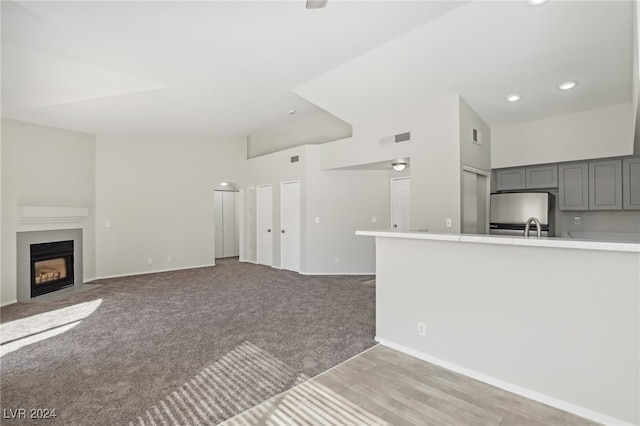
(213, 67)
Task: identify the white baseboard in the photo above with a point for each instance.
(151, 272)
(519, 390)
(338, 273)
(10, 302)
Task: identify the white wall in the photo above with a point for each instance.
(472, 154)
(565, 331)
(44, 166)
(319, 127)
(600, 133)
(345, 201)
(364, 146)
(273, 169)
(158, 194)
(635, 78)
(435, 167)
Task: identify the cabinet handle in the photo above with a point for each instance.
(282, 231)
(268, 230)
(395, 225)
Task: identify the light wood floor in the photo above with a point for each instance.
(383, 386)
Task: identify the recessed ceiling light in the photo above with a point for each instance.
(567, 85)
(514, 98)
(292, 111)
(537, 2)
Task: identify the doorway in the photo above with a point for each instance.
(400, 203)
(290, 226)
(475, 200)
(227, 222)
(264, 225)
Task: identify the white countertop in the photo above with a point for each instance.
(506, 240)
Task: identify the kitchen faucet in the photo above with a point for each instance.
(528, 226)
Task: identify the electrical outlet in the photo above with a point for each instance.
(317, 219)
(107, 224)
(337, 261)
(448, 222)
(422, 329)
(576, 220)
(149, 261)
(169, 259)
(373, 219)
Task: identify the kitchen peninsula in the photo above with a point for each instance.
(552, 319)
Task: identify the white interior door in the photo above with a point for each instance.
(400, 203)
(227, 236)
(230, 234)
(475, 202)
(469, 203)
(264, 225)
(217, 202)
(290, 226)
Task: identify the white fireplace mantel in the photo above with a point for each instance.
(51, 214)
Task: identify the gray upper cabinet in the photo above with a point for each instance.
(507, 179)
(631, 183)
(573, 189)
(605, 185)
(541, 177)
(536, 177)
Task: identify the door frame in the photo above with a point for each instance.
(487, 175)
(393, 179)
(282, 184)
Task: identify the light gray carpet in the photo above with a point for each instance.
(184, 347)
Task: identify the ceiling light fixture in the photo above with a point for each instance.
(537, 2)
(292, 111)
(514, 98)
(567, 85)
(224, 183)
(399, 166)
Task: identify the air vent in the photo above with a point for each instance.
(295, 158)
(476, 137)
(399, 138)
(403, 137)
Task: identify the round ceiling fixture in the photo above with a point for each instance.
(224, 183)
(537, 2)
(292, 111)
(399, 166)
(514, 97)
(567, 85)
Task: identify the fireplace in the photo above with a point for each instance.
(51, 267)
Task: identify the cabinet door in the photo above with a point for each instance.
(542, 177)
(507, 179)
(631, 183)
(573, 186)
(605, 185)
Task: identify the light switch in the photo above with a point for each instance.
(448, 222)
(107, 224)
(317, 219)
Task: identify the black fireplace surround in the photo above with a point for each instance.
(51, 267)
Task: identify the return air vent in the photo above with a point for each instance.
(403, 137)
(399, 138)
(295, 158)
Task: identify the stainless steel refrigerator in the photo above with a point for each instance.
(510, 211)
